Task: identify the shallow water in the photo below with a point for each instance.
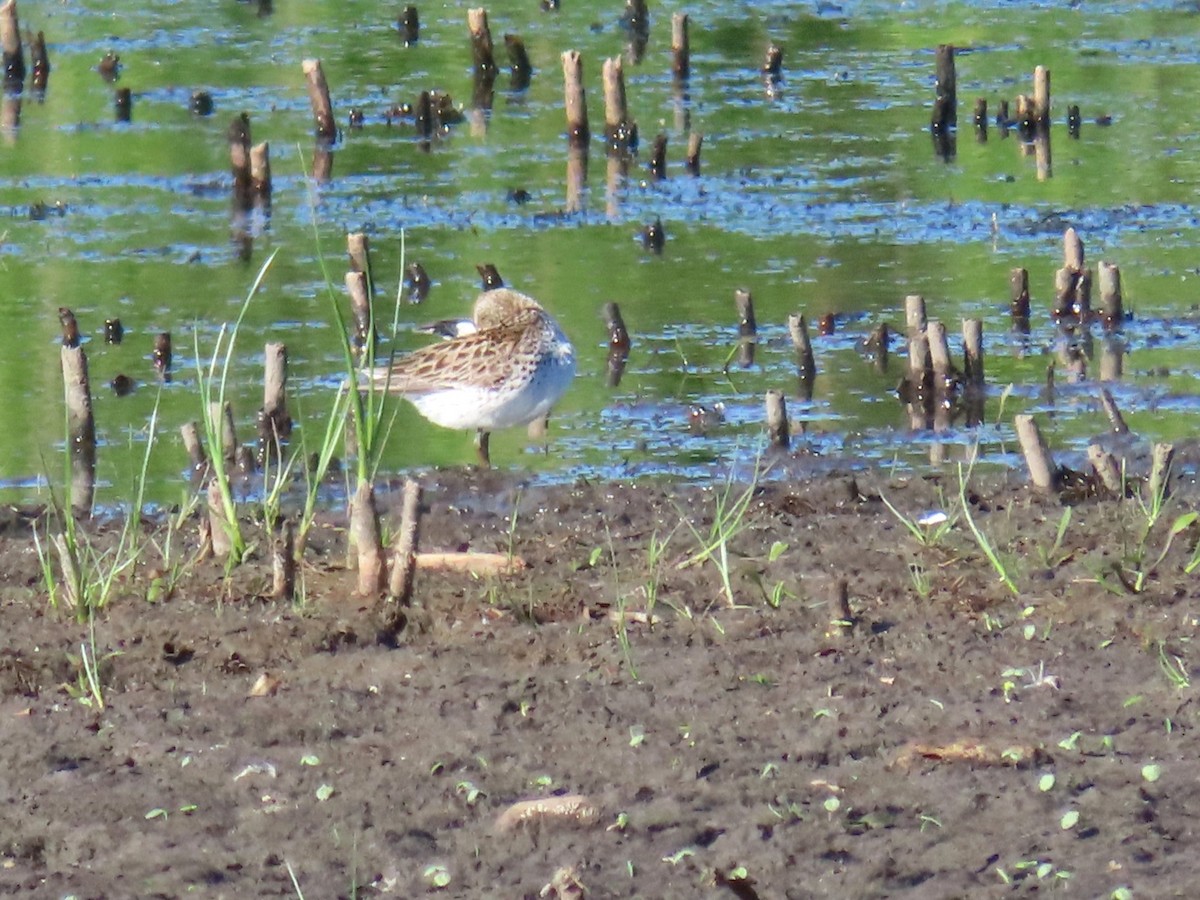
(826, 197)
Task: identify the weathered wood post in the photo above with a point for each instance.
(747, 327)
(944, 384)
(1018, 288)
(618, 344)
(318, 98)
(521, 70)
(681, 57)
(81, 424)
(10, 47)
(410, 25)
(1042, 469)
(404, 556)
(274, 423)
(692, 161)
(360, 307)
(778, 430)
(1111, 309)
(578, 134)
(806, 366)
(481, 44)
(945, 103)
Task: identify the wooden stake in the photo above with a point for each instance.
(190, 432)
(1115, 419)
(919, 383)
(1018, 288)
(221, 415)
(41, 62)
(1042, 470)
(1161, 456)
(274, 423)
(358, 248)
(318, 98)
(1041, 98)
(260, 173)
(798, 329)
(778, 431)
(972, 330)
(521, 71)
(222, 546)
(914, 314)
(1072, 250)
(238, 138)
(943, 374)
(695, 139)
(410, 25)
(946, 87)
(283, 564)
(360, 306)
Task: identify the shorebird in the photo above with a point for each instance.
(510, 370)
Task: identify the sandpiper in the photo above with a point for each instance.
(509, 371)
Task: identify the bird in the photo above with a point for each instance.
(509, 370)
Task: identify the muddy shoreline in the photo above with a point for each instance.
(949, 738)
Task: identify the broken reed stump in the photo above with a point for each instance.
(274, 423)
(617, 127)
(221, 416)
(1018, 288)
(1111, 311)
(410, 25)
(1046, 476)
(917, 388)
(283, 564)
(658, 158)
(481, 44)
(681, 55)
(238, 137)
(945, 103)
(747, 327)
(1106, 469)
(197, 460)
(366, 539)
(260, 175)
(360, 307)
(914, 314)
(945, 379)
(358, 250)
(81, 428)
(41, 62)
(218, 528)
(692, 161)
(1157, 485)
(521, 70)
(70, 327)
(318, 98)
(575, 99)
(404, 556)
(806, 366)
(10, 47)
(1041, 99)
(778, 430)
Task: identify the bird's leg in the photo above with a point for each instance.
(538, 430)
(482, 439)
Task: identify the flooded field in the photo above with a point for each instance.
(821, 193)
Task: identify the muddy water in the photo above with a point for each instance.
(822, 194)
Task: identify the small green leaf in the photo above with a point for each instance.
(832, 804)
(739, 873)
(437, 875)
(157, 813)
(310, 759)
(594, 558)
(1121, 893)
(1044, 869)
(324, 792)
(188, 808)
(1046, 782)
(1151, 772)
(1072, 742)
(1183, 522)
(637, 735)
(1069, 820)
(777, 550)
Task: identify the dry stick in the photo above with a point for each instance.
(616, 112)
(360, 306)
(81, 429)
(404, 558)
(1041, 98)
(521, 68)
(481, 43)
(1110, 294)
(283, 564)
(681, 64)
(778, 432)
(476, 563)
(943, 375)
(10, 44)
(1042, 470)
(318, 98)
(221, 544)
(1018, 288)
(190, 432)
(366, 539)
(410, 25)
(358, 248)
(914, 314)
(260, 173)
(1115, 419)
(1106, 469)
(695, 139)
